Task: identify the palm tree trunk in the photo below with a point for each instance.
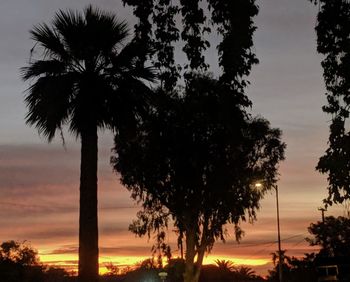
(88, 225)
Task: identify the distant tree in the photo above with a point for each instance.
(332, 235)
(276, 256)
(220, 273)
(19, 262)
(239, 273)
(294, 269)
(56, 274)
(149, 263)
(212, 272)
(333, 34)
(112, 269)
(245, 272)
(18, 252)
(197, 161)
(225, 265)
(86, 79)
(141, 274)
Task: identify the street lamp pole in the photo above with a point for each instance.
(280, 256)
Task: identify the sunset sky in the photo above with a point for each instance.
(39, 181)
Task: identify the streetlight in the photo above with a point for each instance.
(280, 256)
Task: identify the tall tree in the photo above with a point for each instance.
(85, 79)
(197, 156)
(196, 161)
(333, 41)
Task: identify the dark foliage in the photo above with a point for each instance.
(232, 20)
(196, 161)
(20, 262)
(226, 271)
(157, 29)
(333, 42)
(332, 235)
(294, 269)
(176, 267)
(196, 157)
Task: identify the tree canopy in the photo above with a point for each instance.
(231, 20)
(196, 161)
(294, 269)
(19, 253)
(19, 262)
(333, 38)
(197, 156)
(332, 235)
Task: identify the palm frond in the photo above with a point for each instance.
(71, 26)
(48, 103)
(41, 67)
(85, 76)
(225, 265)
(104, 29)
(91, 33)
(50, 40)
(130, 55)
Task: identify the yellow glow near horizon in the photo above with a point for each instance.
(69, 261)
(236, 260)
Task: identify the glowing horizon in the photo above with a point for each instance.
(70, 261)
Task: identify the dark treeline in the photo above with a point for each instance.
(20, 262)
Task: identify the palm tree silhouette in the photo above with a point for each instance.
(225, 265)
(88, 78)
(245, 272)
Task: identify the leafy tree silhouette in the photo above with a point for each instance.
(196, 160)
(294, 269)
(17, 252)
(85, 79)
(19, 262)
(333, 33)
(198, 133)
(332, 235)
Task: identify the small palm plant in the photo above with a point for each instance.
(245, 272)
(225, 265)
(88, 78)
